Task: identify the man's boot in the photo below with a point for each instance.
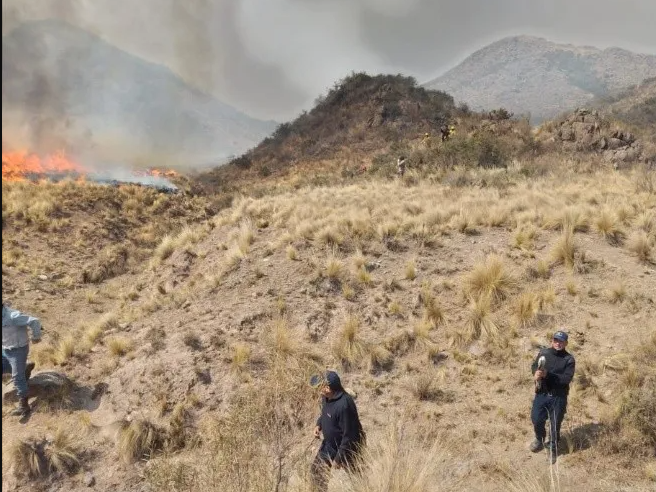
(28, 370)
(23, 409)
(537, 446)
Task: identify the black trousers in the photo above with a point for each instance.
(551, 407)
(320, 469)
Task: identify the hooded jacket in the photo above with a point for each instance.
(340, 424)
(14, 328)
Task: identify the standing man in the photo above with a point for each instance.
(341, 428)
(15, 347)
(553, 370)
(400, 166)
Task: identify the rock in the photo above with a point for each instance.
(40, 385)
(42, 277)
(614, 143)
(123, 326)
(89, 479)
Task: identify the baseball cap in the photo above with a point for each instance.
(331, 378)
(560, 335)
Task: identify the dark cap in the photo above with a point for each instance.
(560, 335)
(331, 378)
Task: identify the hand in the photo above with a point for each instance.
(540, 374)
(317, 432)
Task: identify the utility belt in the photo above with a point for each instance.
(553, 392)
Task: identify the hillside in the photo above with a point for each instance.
(358, 118)
(181, 329)
(635, 105)
(64, 87)
(191, 372)
(529, 75)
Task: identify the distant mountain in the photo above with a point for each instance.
(63, 86)
(532, 75)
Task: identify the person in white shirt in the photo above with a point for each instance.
(15, 348)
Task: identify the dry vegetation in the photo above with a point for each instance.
(430, 295)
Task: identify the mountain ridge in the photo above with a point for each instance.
(528, 74)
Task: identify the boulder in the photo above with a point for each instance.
(41, 385)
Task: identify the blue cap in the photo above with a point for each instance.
(560, 335)
(331, 378)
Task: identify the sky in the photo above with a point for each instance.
(272, 58)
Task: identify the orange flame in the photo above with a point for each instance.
(19, 165)
(153, 171)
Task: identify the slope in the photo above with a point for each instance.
(209, 349)
(64, 87)
(359, 117)
(530, 75)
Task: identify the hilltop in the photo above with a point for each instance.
(530, 75)
(63, 87)
(358, 118)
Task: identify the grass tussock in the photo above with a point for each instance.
(119, 346)
(489, 279)
(139, 440)
(411, 270)
(403, 461)
(609, 226)
(641, 245)
(480, 324)
(253, 445)
(34, 458)
(631, 429)
(349, 348)
(525, 309)
(565, 250)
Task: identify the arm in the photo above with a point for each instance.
(351, 433)
(16, 318)
(534, 366)
(566, 376)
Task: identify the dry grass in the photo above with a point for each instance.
(608, 225)
(348, 347)
(489, 279)
(241, 357)
(36, 458)
(617, 293)
(525, 308)
(642, 245)
(565, 249)
(139, 439)
(411, 270)
(524, 238)
(426, 387)
(480, 324)
(119, 346)
(403, 461)
(334, 268)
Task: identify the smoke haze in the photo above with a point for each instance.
(271, 58)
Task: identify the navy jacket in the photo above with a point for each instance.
(341, 427)
(560, 365)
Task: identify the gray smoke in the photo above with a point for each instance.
(271, 58)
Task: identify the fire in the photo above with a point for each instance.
(160, 173)
(20, 165)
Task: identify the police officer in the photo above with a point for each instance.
(552, 377)
(341, 428)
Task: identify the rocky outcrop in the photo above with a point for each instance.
(587, 131)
